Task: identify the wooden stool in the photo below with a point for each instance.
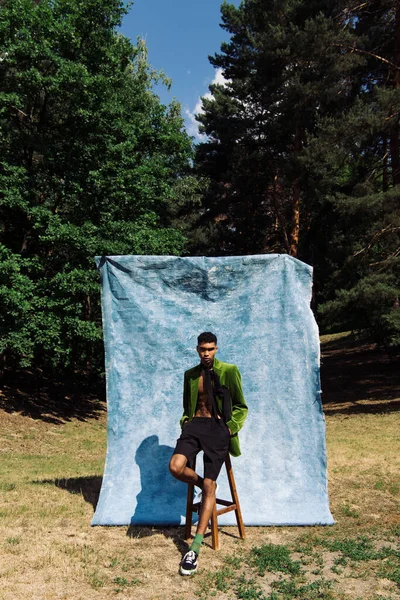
(228, 505)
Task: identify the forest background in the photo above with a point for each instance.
(302, 157)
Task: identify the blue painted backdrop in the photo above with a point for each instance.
(259, 307)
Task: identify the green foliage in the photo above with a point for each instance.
(248, 589)
(359, 549)
(124, 583)
(303, 151)
(273, 558)
(347, 511)
(220, 579)
(91, 164)
(283, 68)
(7, 487)
(319, 589)
(366, 287)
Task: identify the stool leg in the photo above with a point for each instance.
(235, 497)
(214, 528)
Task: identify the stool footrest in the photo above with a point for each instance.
(222, 511)
(224, 502)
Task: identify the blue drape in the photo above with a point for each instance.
(259, 307)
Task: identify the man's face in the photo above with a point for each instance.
(207, 351)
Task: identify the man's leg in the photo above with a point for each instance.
(207, 505)
(215, 443)
(179, 469)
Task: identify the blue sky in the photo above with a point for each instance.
(180, 34)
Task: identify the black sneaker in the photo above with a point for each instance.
(189, 563)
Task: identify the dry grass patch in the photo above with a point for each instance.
(50, 475)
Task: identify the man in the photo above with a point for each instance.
(214, 410)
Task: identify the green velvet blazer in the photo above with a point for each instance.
(229, 375)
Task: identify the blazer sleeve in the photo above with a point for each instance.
(239, 406)
(186, 398)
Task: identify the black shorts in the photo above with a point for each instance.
(210, 435)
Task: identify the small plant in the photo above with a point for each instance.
(95, 580)
(221, 579)
(114, 562)
(358, 549)
(391, 570)
(218, 581)
(347, 511)
(123, 583)
(336, 570)
(318, 590)
(303, 547)
(13, 541)
(234, 561)
(7, 487)
(394, 489)
(273, 558)
(341, 561)
(247, 589)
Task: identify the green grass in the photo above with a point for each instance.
(243, 576)
(13, 541)
(347, 511)
(317, 590)
(248, 589)
(273, 558)
(123, 583)
(7, 487)
(360, 549)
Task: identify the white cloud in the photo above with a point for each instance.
(219, 78)
(192, 126)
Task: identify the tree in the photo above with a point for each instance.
(303, 149)
(91, 163)
(283, 69)
(360, 172)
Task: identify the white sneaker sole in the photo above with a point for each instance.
(185, 572)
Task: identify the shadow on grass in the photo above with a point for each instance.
(357, 377)
(88, 487)
(174, 533)
(52, 401)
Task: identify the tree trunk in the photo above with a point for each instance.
(395, 131)
(280, 221)
(296, 191)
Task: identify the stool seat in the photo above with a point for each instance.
(229, 505)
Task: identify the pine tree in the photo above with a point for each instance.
(303, 150)
(363, 285)
(283, 68)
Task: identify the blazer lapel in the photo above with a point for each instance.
(217, 366)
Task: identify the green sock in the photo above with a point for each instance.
(197, 541)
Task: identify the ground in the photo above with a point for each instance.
(52, 456)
